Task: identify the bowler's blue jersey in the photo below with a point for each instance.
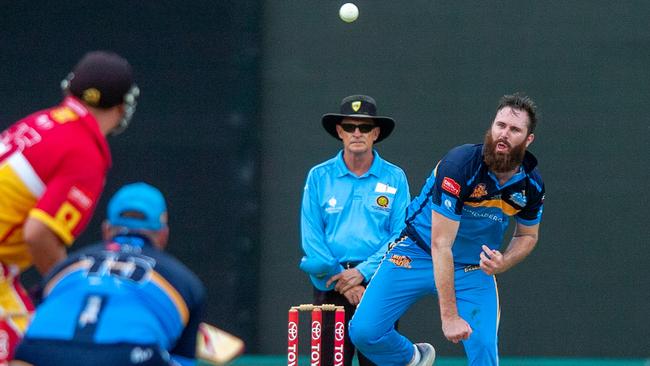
(462, 188)
(346, 218)
(124, 291)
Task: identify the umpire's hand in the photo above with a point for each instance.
(354, 294)
(346, 280)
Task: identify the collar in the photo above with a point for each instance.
(530, 162)
(519, 175)
(375, 168)
(132, 239)
(90, 124)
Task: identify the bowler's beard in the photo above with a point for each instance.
(499, 162)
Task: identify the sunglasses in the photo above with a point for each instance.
(363, 128)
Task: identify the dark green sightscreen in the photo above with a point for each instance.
(438, 68)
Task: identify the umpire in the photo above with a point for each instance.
(353, 205)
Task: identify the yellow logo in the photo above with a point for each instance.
(479, 191)
(92, 96)
(401, 260)
(63, 115)
(382, 201)
(356, 105)
(68, 216)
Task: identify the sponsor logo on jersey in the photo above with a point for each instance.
(519, 198)
(382, 201)
(63, 115)
(451, 186)
(44, 122)
(401, 260)
(471, 268)
(479, 191)
(332, 208)
(78, 196)
(68, 216)
(482, 215)
(141, 355)
(448, 204)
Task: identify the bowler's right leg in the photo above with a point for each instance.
(403, 277)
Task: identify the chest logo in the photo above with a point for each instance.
(479, 191)
(519, 198)
(401, 260)
(331, 206)
(382, 201)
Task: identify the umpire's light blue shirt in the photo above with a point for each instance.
(349, 218)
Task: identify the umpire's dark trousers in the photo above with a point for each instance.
(327, 333)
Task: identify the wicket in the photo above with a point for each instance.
(316, 326)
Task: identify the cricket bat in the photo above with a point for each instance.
(216, 346)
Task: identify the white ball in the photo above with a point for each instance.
(349, 12)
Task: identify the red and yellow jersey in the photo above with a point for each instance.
(53, 167)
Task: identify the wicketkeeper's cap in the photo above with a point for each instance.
(138, 206)
(320, 271)
(101, 79)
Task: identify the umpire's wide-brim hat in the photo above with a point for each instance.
(358, 107)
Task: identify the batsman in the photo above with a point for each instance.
(53, 165)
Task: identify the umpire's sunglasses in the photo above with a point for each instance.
(363, 128)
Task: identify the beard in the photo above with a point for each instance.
(500, 162)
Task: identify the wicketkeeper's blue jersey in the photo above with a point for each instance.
(123, 291)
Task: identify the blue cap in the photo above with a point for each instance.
(138, 206)
(320, 272)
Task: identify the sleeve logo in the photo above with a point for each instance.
(68, 216)
(451, 186)
(78, 196)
